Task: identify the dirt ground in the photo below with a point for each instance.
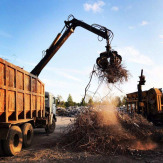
(44, 149)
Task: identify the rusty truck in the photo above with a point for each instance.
(24, 105)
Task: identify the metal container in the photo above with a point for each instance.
(22, 95)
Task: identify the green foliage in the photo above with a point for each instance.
(123, 101)
(119, 101)
(116, 101)
(83, 103)
(59, 101)
(69, 101)
(90, 102)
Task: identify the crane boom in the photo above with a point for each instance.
(61, 38)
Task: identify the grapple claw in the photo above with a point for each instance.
(108, 58)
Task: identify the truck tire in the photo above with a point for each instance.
(13, 144)
(1, 148)
(27, 131)
(49, 129)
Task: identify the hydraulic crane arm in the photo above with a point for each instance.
(61, 38)
(55, 46)
(103, 32)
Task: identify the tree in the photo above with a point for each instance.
(59, 98)
(69, 101)
(59, 101)
(83, 103)
(116, 101)
(123, 101)
(90, 102)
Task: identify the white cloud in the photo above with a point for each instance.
(28, 63)
(68, 76)
(95, 7)
(133, 55)
(161, 36)
(5, 34)
(63, 74)
(84, 71)
(55, 83)
(115, 8)
(143, 23)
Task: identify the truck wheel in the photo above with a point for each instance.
(1, 148)
(50, 128)
(27, 131)
(13, 144)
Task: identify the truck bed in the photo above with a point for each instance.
(22, 95)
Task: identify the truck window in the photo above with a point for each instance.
(46, 101)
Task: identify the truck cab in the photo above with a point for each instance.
(50, 111)
(50, 105)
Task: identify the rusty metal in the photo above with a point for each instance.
(141, 82)
(21, 94)
(148, 103)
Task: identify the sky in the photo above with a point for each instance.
(28, 27)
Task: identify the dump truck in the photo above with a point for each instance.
(148, 103)
(24, 105)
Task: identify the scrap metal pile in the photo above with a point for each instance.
(71, 111)
(104, 131)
